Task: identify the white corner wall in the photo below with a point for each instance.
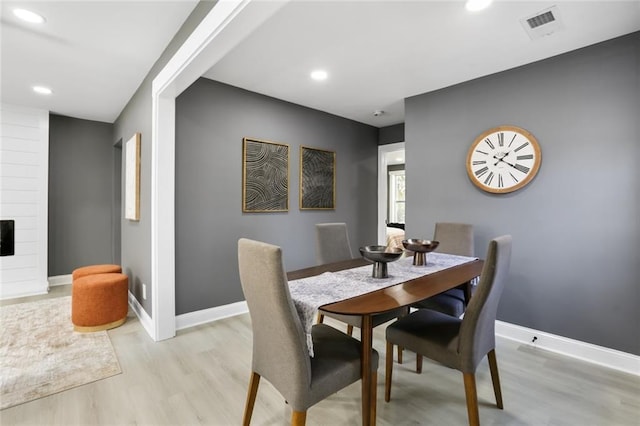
(24, 174)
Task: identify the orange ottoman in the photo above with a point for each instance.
(94, 269)
(99, 302)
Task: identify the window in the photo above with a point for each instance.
(396, 196)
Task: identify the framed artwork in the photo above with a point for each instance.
(317, 179)
(265, 176)
(132, 178)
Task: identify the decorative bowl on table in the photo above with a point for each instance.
(420, 248)
(380, 256)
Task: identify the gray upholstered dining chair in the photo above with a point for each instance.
(459, 343)
(332, 245)
(454, 238)
(280, 351)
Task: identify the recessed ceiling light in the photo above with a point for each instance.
(28, 16)
(319, 75)
(42, 90)
(476, 5)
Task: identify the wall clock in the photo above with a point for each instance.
(503, 159)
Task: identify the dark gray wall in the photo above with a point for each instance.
(211, 121)
(576, 226)
(391, 134)
(136, 117)
(80, 191)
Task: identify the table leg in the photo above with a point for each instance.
(368, 393)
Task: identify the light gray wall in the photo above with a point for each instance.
(80, 191)
(211, 120)
(576, 227)
(136, 117)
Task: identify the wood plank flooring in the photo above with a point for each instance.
(200, 377)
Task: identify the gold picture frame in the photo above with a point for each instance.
(317, 179)
(132, 178)
(265, 176)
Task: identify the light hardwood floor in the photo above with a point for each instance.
(200, 377)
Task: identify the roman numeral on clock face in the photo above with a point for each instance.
(523, 169)
(521, 146)
(489, 178)
(525, 157)
(490, 143)
(478, 162)
(501, 139)
(481, 171)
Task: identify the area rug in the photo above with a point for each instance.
(40, 354)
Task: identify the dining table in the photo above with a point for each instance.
(400, 290)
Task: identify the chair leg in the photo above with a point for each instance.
(495, 377)
(320, 318)
(400, 348)
(388, 372)
(418, 363)
(251, 398)
(298, 418)
(472, 398)
(350, 330)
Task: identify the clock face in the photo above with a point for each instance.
(503, 159)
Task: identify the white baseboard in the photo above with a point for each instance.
(191, 319)
(588, 352)
(5, 296)
(60, 280)
(142, 315)
(599, 355)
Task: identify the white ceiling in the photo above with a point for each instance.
(95, 54)
(92, 54)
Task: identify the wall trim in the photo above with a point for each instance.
(599, 355)
(226, 24)
(60, 280)
(143, 316)
(606, 357)
(36, 291)
(191, 319)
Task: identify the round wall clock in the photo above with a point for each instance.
(503, 159)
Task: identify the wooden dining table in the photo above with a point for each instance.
(383, 300)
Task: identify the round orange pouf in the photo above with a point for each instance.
(99, 302)
(94, 269)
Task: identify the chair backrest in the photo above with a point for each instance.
(477, 332)
(332, 243)
(280, 352)
(454, 238)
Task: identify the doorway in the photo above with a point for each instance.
(116, 204)
(391, 187)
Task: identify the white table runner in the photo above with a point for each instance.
(308, 294)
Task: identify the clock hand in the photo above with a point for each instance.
(500, 158)
(512, 165)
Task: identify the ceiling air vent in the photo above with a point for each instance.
(543, 23)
